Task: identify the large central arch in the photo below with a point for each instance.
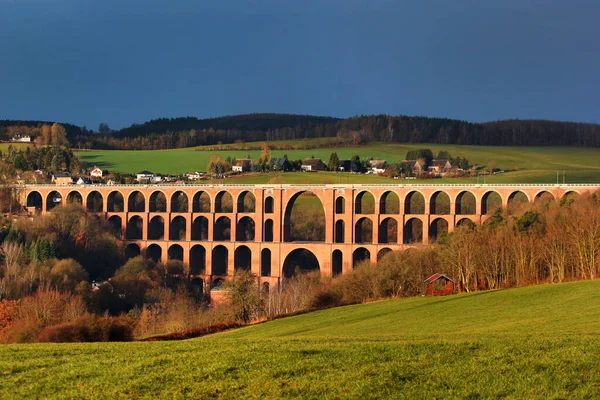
(300, 261)
(307, 223)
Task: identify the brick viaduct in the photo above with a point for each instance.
(215, 229)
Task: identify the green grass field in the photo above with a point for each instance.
(529, 164)
(536, 342)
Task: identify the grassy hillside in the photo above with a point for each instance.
(536, 342)
(532, 164)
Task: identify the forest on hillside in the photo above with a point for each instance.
(168, 133)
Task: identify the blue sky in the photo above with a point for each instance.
(125, 61)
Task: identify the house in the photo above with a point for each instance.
(194, 176)
(416, 166)
(62, 179)
(280, 164)
(347, 166)
(110, 182)
(19, 138)
(84, 181)
(312, 165)
(145, 176)
(242, 165)
(439, 285)
(440, 166)
(96, 172)
(377, 166)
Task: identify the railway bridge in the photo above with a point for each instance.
(217, 229)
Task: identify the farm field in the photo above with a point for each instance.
(535, 342)
(527, 164)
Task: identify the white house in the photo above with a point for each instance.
(194, 176)
(96, 172)
(145, 176)
(242, 165)
(84, 181)
(19, 138)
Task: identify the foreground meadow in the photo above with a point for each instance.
(527, 164)
(534, 342)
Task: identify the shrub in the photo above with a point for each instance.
(90, 328)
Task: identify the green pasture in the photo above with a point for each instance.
(537, 342)
(15, 145)
(526, 164)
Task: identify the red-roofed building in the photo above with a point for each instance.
(439, 285)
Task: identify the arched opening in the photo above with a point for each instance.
(219, 260)
(490, 202)
(34, 199)
(53, 199)
(382, 253)
(177, 228)
(158, 202)
(245, 230)
(361, 254)
(74, 198)
(136, 202)
(95, 202)
(413, 231)
(364, 203)
(197, 260)
(134, 228)
(269, 206)
(517, 199)
(265, 262)
(300, 261)
(201, 202)
(132, 250)
(340, 205)
(363, 231)
(246, 203)
(175, 253)
(466, 204)
(116, 224)
(414, 203)
(337, 259)
(466, 222)
(304, 219)
(115, 202)
(222, 230)
(242, 260)
(389, 203)
(544, 197)
(179, 202)
(223, 202)
(339, 231)
(154, 252)
(570, 196)
(156, 228)
(388, 231)
(440, 203)
(196, 288)
(437, 227)
(268, 232)
(200, 229)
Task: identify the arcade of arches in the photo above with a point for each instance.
(278, 230)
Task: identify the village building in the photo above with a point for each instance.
(62, 179)
(280, 164)
(242, 165)
(84, 181)
(439, 285)
(440, 166)
(96, 172)
(312, 165)
(19, 138)
(194, 176)
(377, 166)
(145, 176)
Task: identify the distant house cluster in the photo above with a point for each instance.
(21, 138)
(419, 167)
(242, 165)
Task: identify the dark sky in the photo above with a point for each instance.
(125, 61)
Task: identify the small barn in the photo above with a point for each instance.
(439, 285)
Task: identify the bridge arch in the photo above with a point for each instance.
(413, 231)
(115, 202)
(34, 199)
(117, 226)
(154, 252)
(178, 228)
(364, 203)
(223, 202)
(363, 231)
(53, 199)
(201, 202)
(339, 231)
(158, 201)
(300, 261)
(571, 194)
(265, 262)
(466, 203)
(134, 228)
(246, 202)
(74, 197)
(382, 253)
(136, 202)
(293, 227)
(95, 201)
(439, 203)
(244, 231)
(544, 197)
(197, 260)
(337, 263)
(359, 255)
(517, 197)
(437, 227)
(268, 231)
(388, 231)
(175, 252)
(222, 229)
(340, 205)
(220, 260)
(156, 228)
(200, 228)
(389, 203)
(242, 259)
(466, 222)
(180, 202)
(414, 203)
(132, 250)
(490, 201)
